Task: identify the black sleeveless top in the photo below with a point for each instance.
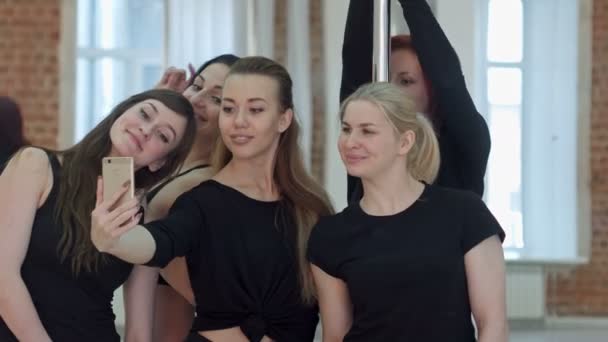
(71, 308)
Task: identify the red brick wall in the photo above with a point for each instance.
(29, 69)
(584, 290)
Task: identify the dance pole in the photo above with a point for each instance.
(382, 21)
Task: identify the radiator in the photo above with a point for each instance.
(525, 292)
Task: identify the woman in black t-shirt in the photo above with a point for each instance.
(426, 68)
(410, 261)
(244, 232)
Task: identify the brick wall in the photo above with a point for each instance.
(29, 69)
(584, 290)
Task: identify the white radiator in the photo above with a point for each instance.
(525, 292)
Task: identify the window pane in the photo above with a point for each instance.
(504, 86)
(504, 172)
(84, 23)
(133, 24)
(505, 31)
(151, 75)
(110, 84)
(83, 91)
(145, 25)
(120, 51)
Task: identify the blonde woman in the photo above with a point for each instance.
(410, 261)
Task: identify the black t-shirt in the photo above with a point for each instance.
(405, 272)
(241, 260)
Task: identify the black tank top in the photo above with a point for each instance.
(71, 308)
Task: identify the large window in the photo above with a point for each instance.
(530, 77)
(119, 53)
(504, 70)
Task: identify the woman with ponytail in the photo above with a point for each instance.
(409, 261)
(244, 232)
(426, 68)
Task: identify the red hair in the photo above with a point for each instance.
(404, 42)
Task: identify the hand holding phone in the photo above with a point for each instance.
(117, 173)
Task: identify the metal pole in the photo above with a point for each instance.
(381, 40)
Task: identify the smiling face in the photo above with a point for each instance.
(147, 131)
(205, 95)
(368, 143)
(252, 120)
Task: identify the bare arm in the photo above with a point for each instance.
(139, 303)
(140, 288)
(176, 274)
(116, 232)
(24, 183)
(334, 304)
(485, 268)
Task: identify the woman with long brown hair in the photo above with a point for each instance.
(55, 285)
(162, 310)
(244, 232)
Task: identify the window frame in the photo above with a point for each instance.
(582, 229)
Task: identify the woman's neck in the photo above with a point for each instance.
(390, 194)
(254, 177)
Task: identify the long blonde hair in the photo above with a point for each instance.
(303, 197)
(423, 158)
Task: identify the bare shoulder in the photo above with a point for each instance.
(29, 160)
(28, 171)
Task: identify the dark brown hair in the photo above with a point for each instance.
(81, 166)
(11, 126)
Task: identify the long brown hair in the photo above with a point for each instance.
(304, 199)
(81, 166)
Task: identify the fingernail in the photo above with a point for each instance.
(125, 184)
